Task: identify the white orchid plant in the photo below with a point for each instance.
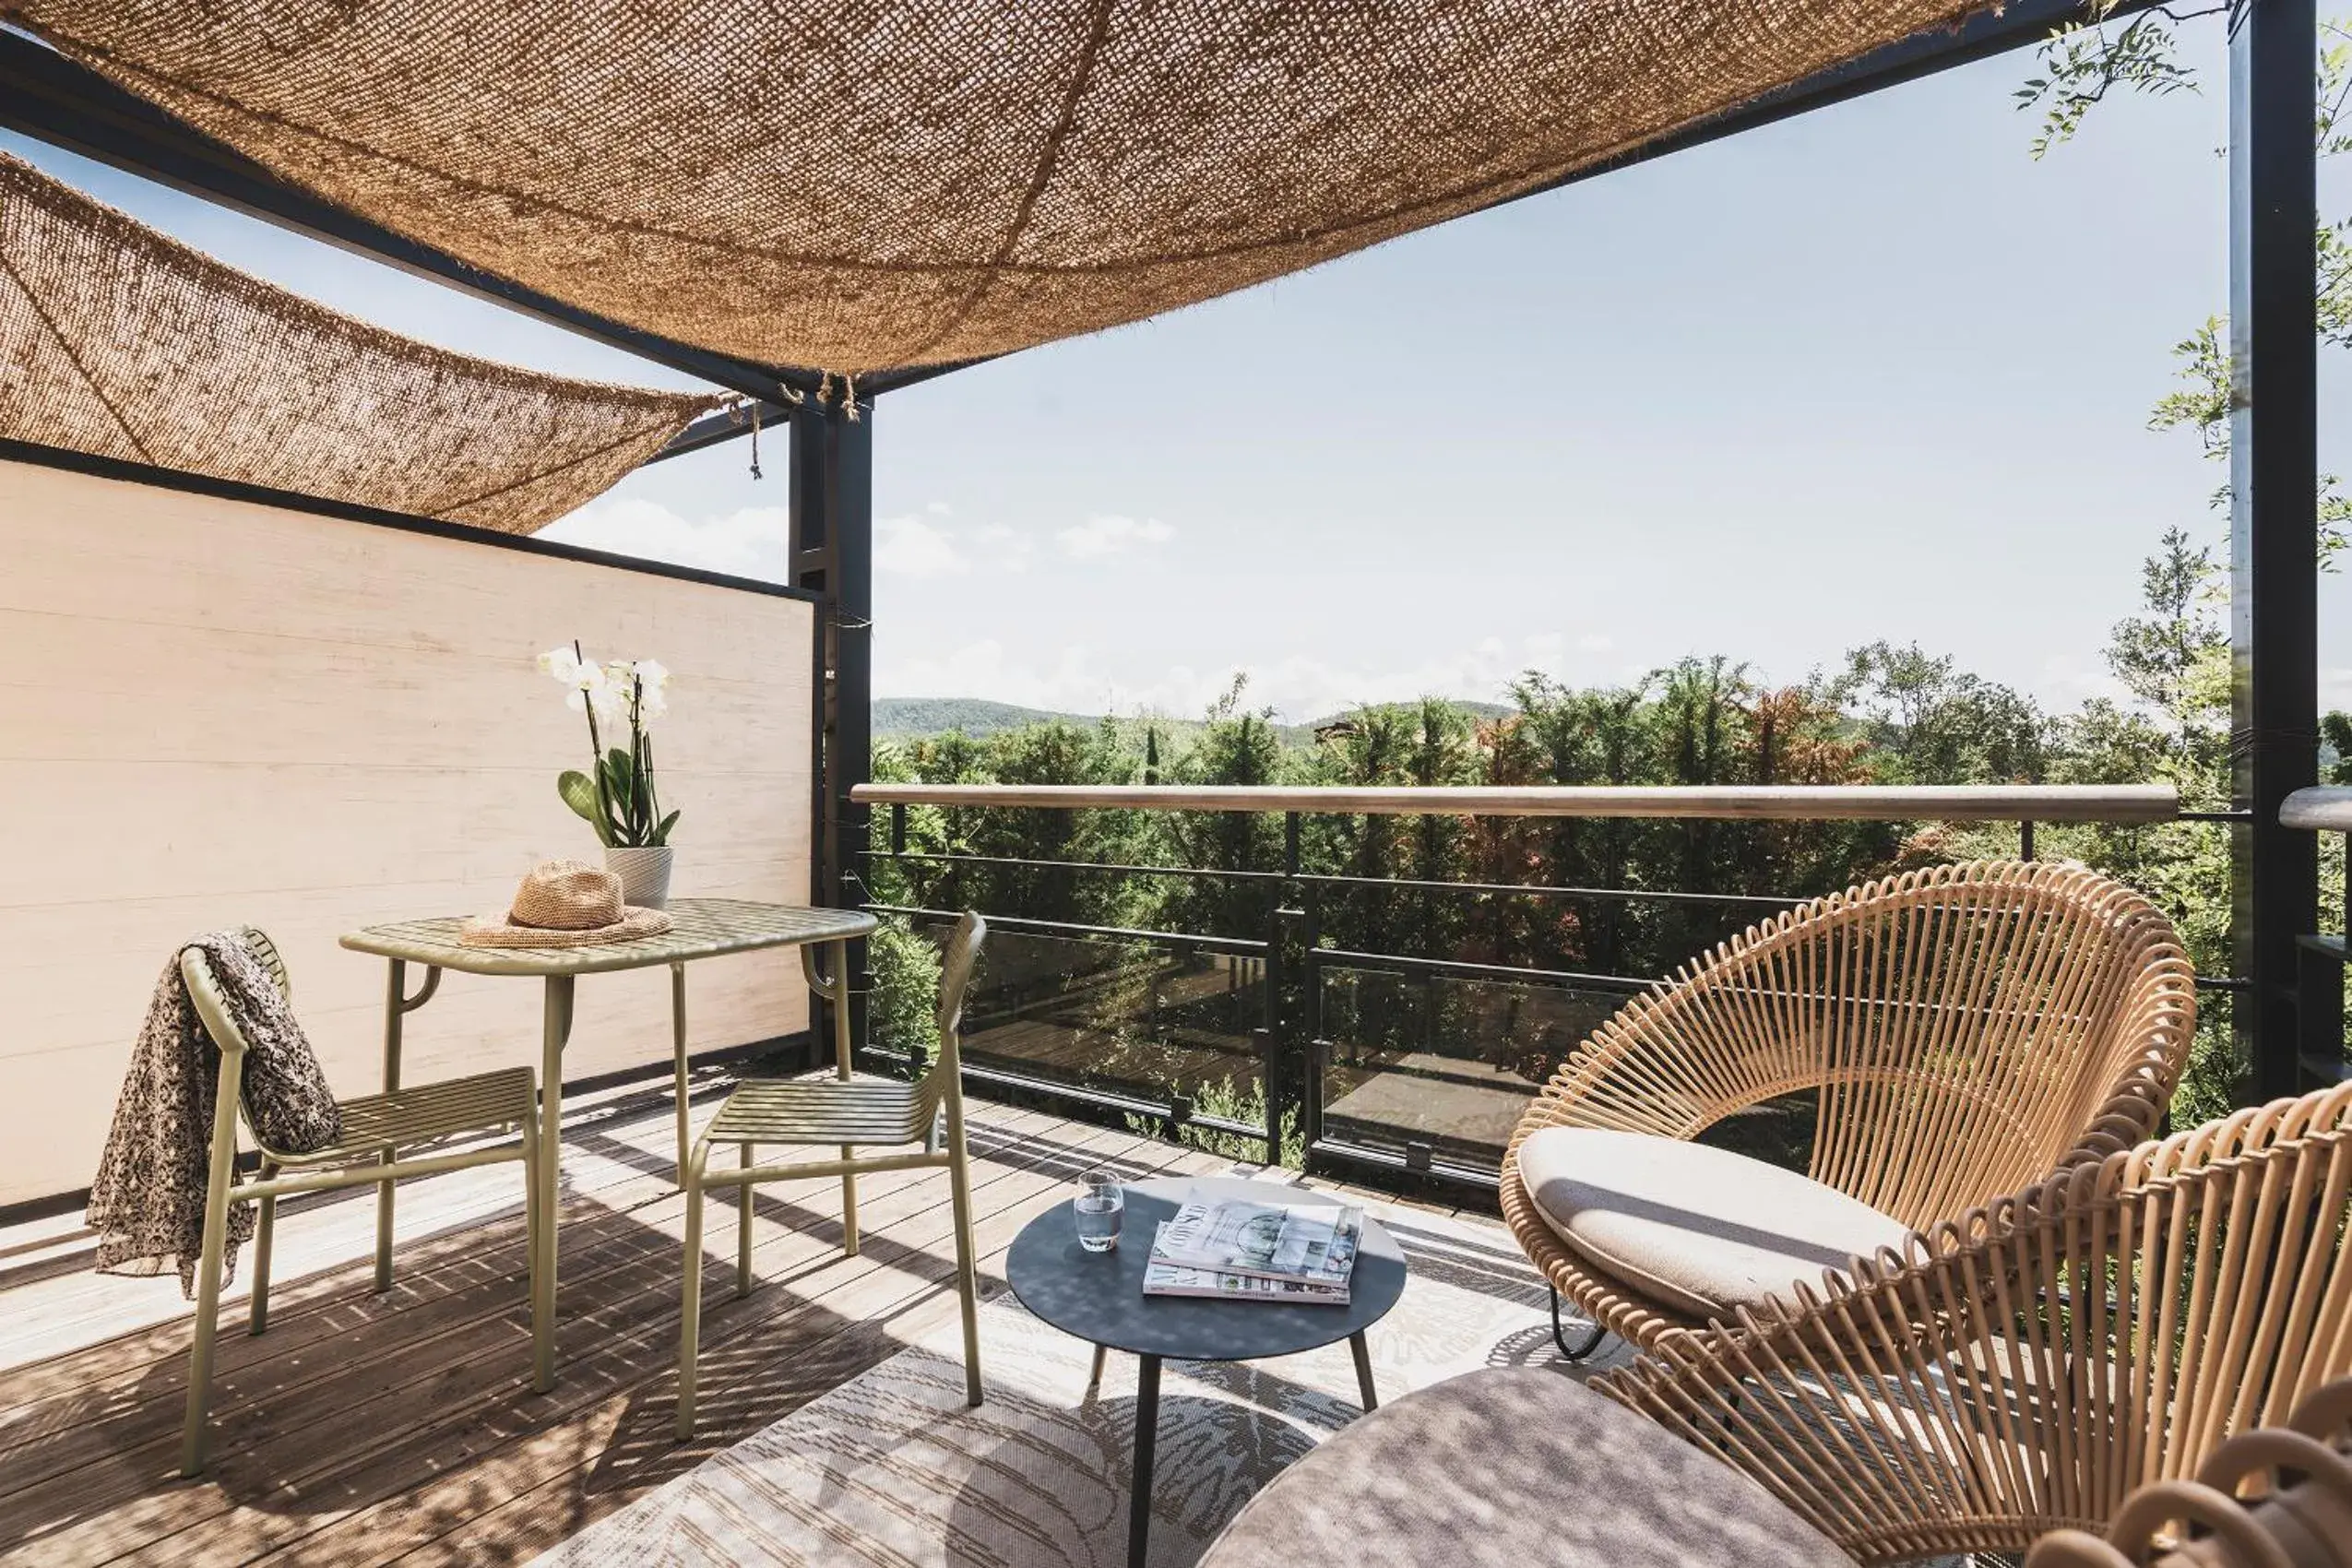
(617, 797)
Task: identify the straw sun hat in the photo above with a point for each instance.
(563, 904)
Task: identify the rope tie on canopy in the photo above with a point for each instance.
(846, 399)
(743, 408)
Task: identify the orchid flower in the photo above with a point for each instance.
(617, 796)
(564, 663)
(586, 679)
(593, 689)
(653, 689)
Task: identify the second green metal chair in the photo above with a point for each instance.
(844, 1113)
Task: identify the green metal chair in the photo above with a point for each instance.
(375, 1129)
(846, 1113)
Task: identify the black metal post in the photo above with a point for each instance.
(1289, 1056)
(1271, 1036)
(2321, 1000)
(2318, 1007)
(1314, 1049)
(832, 554)
(2273, 513)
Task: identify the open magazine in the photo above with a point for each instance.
(1162, 1279)
(1308, 1249)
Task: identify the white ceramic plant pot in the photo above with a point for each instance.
(643, 873)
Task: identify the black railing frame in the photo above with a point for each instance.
(1294, 1048)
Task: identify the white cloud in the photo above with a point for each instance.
(1112, 535)
(1596, 642)
(752, 543)
(1005, 546)
(1300, 687)
(747, 543)
(2068, 682)
(1076, 677)
(913, 548)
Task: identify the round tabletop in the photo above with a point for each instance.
(1099, 1296)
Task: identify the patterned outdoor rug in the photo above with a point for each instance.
(891, 1470)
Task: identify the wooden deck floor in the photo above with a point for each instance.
(367, 1430)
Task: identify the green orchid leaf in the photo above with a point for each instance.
(619, 785)
(578, 792)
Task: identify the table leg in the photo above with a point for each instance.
(1147, 1440)
(1094, 1378)
(1363, 1369)
(556, 1031)
(841, 1049)
(678, 1048)
(395, 1005)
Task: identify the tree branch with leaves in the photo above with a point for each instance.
(2085, 63)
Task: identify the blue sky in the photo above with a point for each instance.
(1873, 373)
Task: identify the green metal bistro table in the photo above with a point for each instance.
(701, 928)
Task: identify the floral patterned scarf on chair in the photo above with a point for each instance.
(147, 1202)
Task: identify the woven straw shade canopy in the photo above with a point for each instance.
(855, 186)
(118, 342)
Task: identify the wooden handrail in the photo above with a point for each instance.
(1964, 802)
(2324, 808)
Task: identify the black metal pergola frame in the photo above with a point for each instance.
(2273, 396)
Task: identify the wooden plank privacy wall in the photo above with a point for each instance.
(215, 712)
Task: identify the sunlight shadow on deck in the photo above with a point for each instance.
(362, 1427)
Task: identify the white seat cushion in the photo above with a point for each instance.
(1699, 1229)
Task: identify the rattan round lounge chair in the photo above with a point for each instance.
(2025, 1367)
(2275, 1497)
(1963, 1031)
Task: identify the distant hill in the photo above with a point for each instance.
(1479, 709)
(897, 717)
(907, 718)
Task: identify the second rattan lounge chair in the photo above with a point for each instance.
(1962, 1031)
(845, 1113)
(2275, 1497)
(2108, 1351)
(2022, 1369)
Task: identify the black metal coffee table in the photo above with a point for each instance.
(1098, 1297)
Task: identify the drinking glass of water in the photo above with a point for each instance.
(1099, 1207)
